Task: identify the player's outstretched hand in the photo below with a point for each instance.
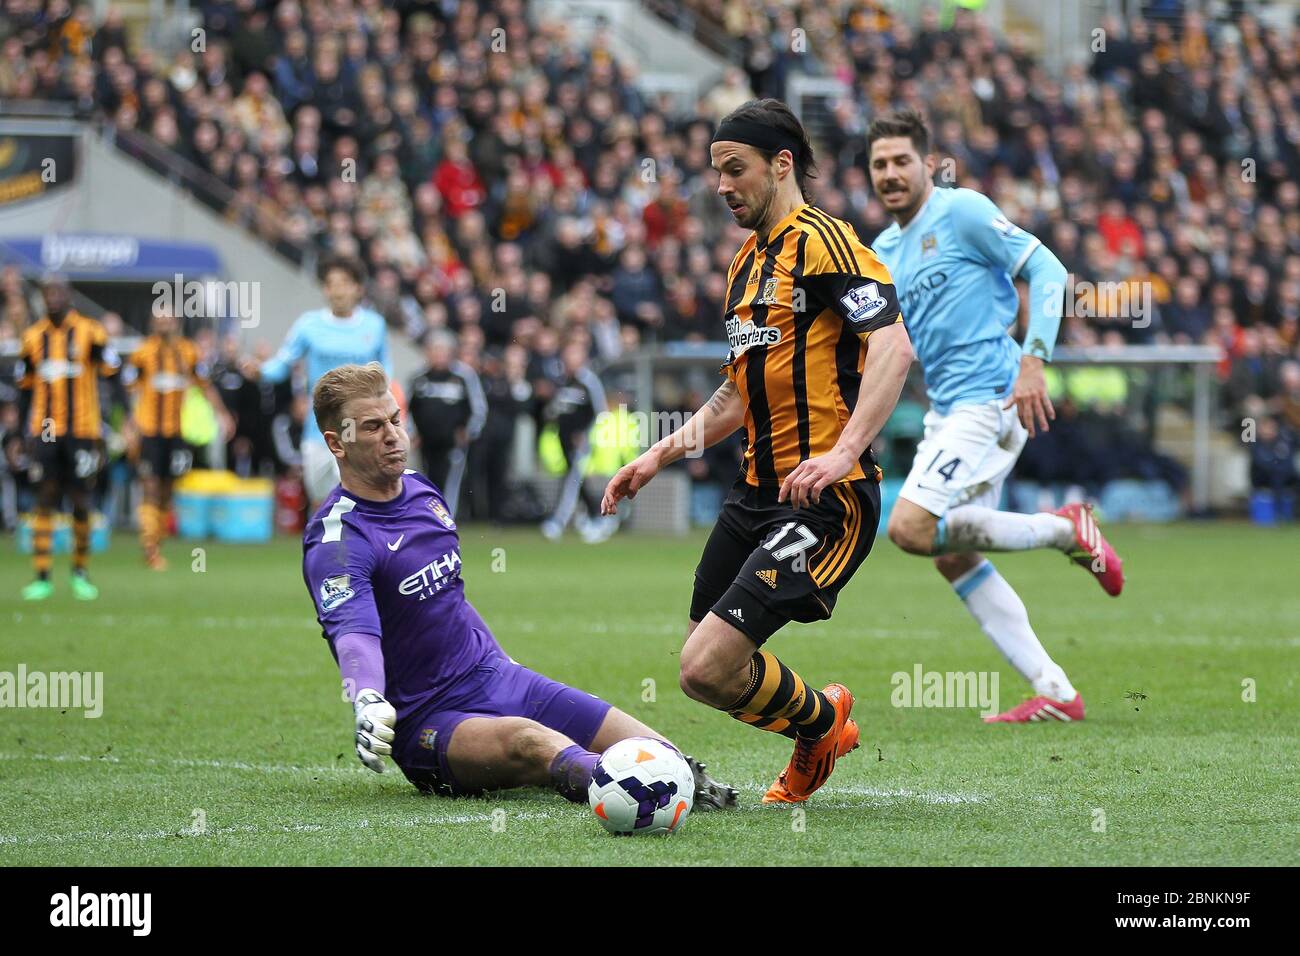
(375, 722)
(629, 479)
(804, 485)
(1030, 396)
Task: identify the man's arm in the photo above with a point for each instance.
(721, 415)
(1047, 278)
(477, 402)
(25, 375)
(889, 355)
(279, 365)
(337, 574)
(361, 663)
(225, 420)
(987, 235)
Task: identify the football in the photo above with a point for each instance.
(642, 786)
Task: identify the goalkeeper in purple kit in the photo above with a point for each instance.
(430, 685)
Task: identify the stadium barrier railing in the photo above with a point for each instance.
(682, 368)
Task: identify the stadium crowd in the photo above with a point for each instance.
(511, 185)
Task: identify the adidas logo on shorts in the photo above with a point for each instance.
(768, 577)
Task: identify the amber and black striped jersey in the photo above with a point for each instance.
(162, 371)
(60, 367)
(800, 308)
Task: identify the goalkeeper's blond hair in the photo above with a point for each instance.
(341, 385)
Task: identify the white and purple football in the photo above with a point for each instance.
(642, 785)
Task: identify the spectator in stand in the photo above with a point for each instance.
(1273, 463)
(1254, 379)
(1135, 164)
(577, 399)
(456, 178)
(1288, 399)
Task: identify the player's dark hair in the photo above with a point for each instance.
(905, 122)
(780, 119)
(352, 266)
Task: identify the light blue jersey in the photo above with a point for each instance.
(325, 342)
(953, 266)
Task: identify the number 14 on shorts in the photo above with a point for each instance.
(947, 469)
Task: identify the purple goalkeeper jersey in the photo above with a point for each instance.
(392, 569)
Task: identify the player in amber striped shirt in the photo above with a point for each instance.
(159, 373)
(61, 359)
(818, 355)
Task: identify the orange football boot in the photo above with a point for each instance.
(813, 760)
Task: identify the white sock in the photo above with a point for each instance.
(976, 528)
(1002, 616)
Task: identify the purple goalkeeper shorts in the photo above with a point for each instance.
(495, 688)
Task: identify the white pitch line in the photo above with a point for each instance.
(932, 797)
(904, 793)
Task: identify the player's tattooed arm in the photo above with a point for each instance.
(721, 400)
(721, 415)
(889, 356)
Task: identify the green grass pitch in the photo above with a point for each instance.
(224, 739)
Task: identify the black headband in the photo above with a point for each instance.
(756, 134)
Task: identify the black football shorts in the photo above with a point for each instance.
(766, 563)
(71, 462)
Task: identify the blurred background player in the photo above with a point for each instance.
(61, 360)
(509, 397)
(446, 408)
(159, 373)
(955, 257)
(578, 399)
(804, 296)
(381, 558)
(342, 333)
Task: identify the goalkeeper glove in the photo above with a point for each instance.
(375, 721)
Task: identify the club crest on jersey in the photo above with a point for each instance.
(334, 591)
(929, 245)
(443, 514)
(864, 302)
(744, 336)
(768, 296)
(427, 736)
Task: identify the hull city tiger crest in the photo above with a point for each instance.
(443, 514)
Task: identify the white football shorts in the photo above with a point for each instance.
(320, 471)
(965, 457)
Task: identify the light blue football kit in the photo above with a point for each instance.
(325, 341)
(953, 265)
